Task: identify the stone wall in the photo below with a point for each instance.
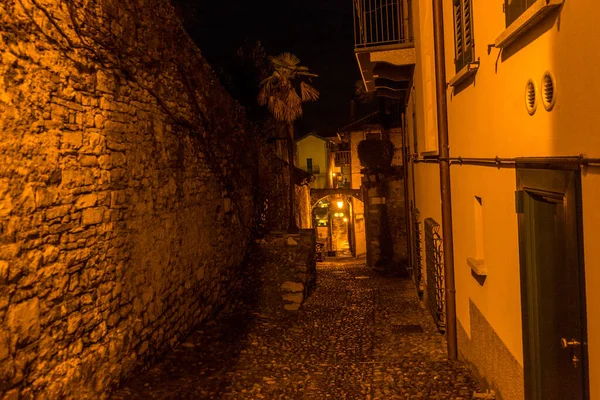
(126, 197)
(396, 213)
(289, 271)
(386, 237)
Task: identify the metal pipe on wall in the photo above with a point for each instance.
(561, 162)
(405, 157)
(446, 195)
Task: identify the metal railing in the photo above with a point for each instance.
(315, 169)
(416, 268)
(342, 158)
(382, 22)
(435, 273)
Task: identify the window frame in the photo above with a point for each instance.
(513, 9)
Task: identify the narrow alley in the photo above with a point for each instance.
(359, 336)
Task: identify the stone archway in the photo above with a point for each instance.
(345, 232)
(319, 194)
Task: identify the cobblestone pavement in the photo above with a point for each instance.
(346, 343)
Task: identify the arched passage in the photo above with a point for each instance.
(338, 218)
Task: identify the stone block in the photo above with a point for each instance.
(86, 201)
(290, 286)
(291, 241)
(50, 254)
(92, 216)
(3, 272)
(12, 394)
(45, 197)
(99, 121)
(73, 322)
(72, 140)
(88, 161)
(4, 345)
(292, 307)
(57, 212)
(104, 82)
(378, 200)
(297, 297)
(24, 320)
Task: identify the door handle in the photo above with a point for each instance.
(569, 343)
(572, 344)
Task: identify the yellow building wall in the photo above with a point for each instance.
(591, 243)
(355, 138)
(488, 118)
(315, 148)
(499, 297)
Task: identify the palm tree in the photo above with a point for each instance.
(283, 92)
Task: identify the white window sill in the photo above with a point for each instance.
(477, 266)
(464, 73)
(530, 17)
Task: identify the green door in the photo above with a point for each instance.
(552, 284)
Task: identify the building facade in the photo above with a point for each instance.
(313, 157)
(520, 87)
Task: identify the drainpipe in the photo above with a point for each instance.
(442, 119)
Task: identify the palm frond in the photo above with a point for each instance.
(279, 91)
(310, 74)
(285, 60)
(294, 103)
(308, 92)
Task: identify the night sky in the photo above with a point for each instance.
(319, 32)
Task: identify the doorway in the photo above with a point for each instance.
(552, 284)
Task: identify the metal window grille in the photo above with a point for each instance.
(382, 22)
(417, 269)
(435, 273)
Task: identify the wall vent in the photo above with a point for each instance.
(548, 91)
(530, 97)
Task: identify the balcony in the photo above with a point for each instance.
(384, 46)
(342, 158)
(311, 169)
(383, 24)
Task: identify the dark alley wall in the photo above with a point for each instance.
(126, 192)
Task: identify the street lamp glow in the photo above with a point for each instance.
(340, 204)
(345, 219)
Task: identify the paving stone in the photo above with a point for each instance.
(343, 344)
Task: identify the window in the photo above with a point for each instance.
(514, 8)
(309, 166)
(463, 33)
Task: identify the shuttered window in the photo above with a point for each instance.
(464, 42)
(514, 8)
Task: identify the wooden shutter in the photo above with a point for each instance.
(464, 41)
(458, 35)
(468, 39)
